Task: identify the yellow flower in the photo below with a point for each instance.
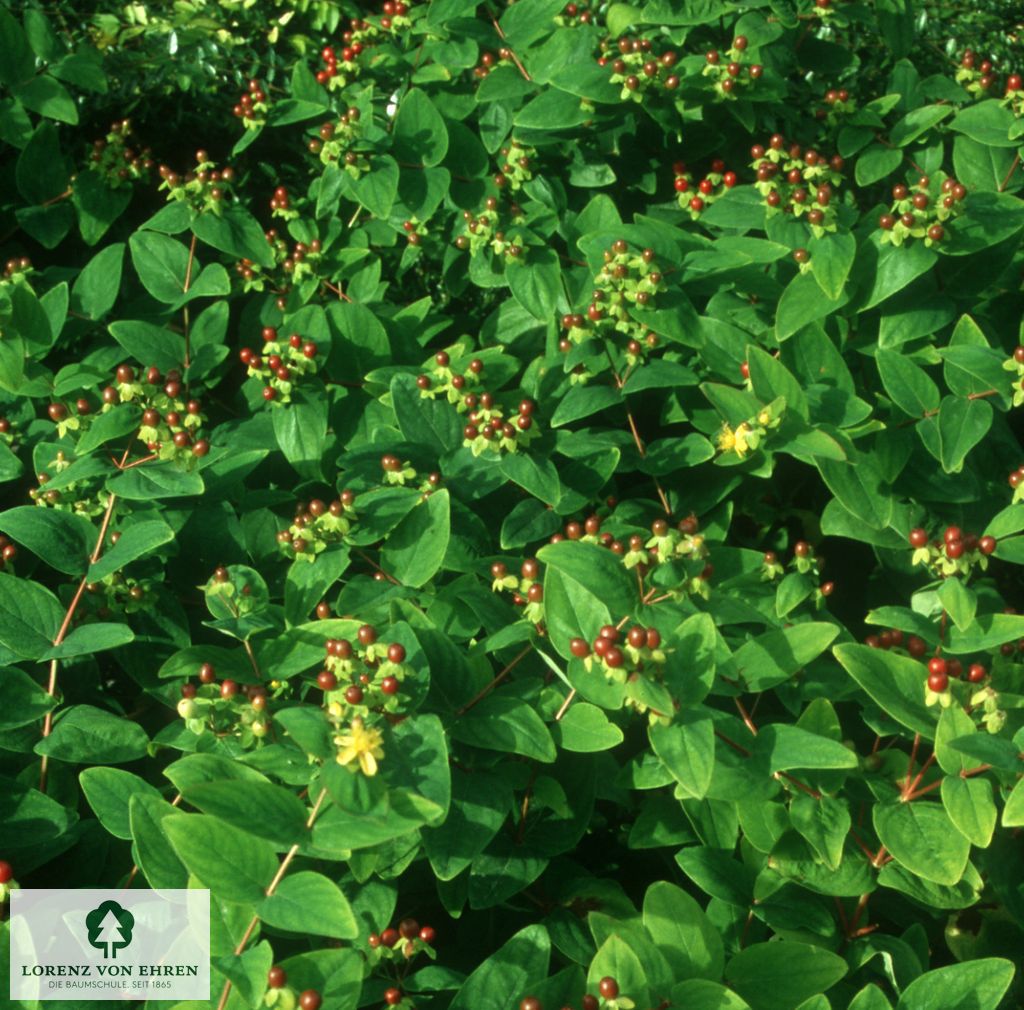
(734, 441)
(362, 745)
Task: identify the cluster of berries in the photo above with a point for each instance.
(937, 689)
(696, 196)
(488, 429)
(203, 188)
(328, 74)
(367, 679)
(280, 996)
(334, 143)
(978, 76)
(955, 554)
(296, 263)
(117, 593)
(608, 987)
(280, 365)
(625, 281)
(1016, 479)
(893, 638)
(317, 525)
(115, 161)
(225, 708)
(488, 61)
(836, 103)
(252, 106)
(406, 940)
(574, 14)
(1015, 364)
(639, 71)
(516, 166)
(16, 270)
(527, 588)
(798, 182)
(83, 496)
(921, 214)
(487, 228)
(804, 561)
(727, 76)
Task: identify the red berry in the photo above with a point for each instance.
(608, 987)
(697, 204)
(918, 537)
(987, 545)
(936, 665)
(579, 648)
(354, 695)
(277, 977)
(389, 937)
(389, 685)
(976, 673)
(952, 533)
(916, 647)
(396, 653)
(6, 871)
(326, 680)
(310, 1000)
(392, 996)
(938, 682)
(427, 934)
(228, 689)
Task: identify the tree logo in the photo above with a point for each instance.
(110, 927)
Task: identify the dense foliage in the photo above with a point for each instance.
(423, 432)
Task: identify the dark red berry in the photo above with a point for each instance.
(608, 987)
(277, 977)
(310, 1000)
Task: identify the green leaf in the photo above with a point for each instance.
(300, 428)
(596, 567)
(282, 815)
(528, 522)
(309, 903)
(90, 638)
(433, 423)
(921, 838)
(153, 853)
(150, 343)
(860, 488)
(26, 701)
(535, 474)
(109, 792)
(29, 617)
(831, 258)
(960, 426)
(501, 980)
(703, 994)
(876, 163)
(48, 97)
(96, 288)
(616, 959)
(161, 263)
(718, 874)
(18, 62)
(907, 384)
(780, 976)
(41, 173)
(960, 602)
(917, 122)
(156, 480)
(507, 724)
(894, 682)
(233, 864)
(585, 729)
(62, 540)
(134, 542)
(988, 122)
(683, 933)
(686, 746)
(86, 735)
(974, 985)
(235, 232)
(307, 584)
(824, 824)
(419, 133)
(772, 658)
(970, 807)
(377, 189)
(537, 283)
(1013, 812)
(415, 550)
(785, 747)
(584, 401)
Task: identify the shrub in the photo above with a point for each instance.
(420, 496)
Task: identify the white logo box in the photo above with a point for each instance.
(97, 944)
